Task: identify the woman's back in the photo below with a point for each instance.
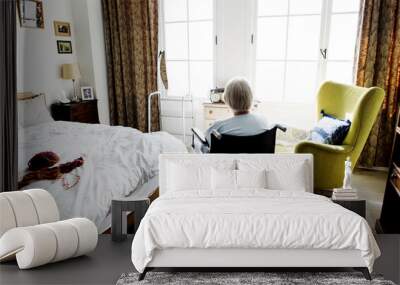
(240, 125)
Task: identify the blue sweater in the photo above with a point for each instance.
(240, 125)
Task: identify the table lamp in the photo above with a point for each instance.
(70, 71)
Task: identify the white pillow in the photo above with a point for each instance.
(223, 179)
(295, 180)
(282, 174)
(251, 178)
(226, 179)
(183, 178)
(32, 112)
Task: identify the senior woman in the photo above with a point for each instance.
(239, 97)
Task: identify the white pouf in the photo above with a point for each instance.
(31, 233)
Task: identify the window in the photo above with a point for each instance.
(189, 46)
(300, 43)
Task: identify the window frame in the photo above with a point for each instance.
(324, 38)
(162, 47)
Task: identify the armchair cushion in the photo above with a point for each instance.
(330, 130)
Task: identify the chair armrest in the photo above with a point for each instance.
(338, 149)
(282, 128)
(216, 134)
(199, 135)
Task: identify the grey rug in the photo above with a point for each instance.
(269, 278)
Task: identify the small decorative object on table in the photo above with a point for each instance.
(346, 192)
(70, 71)
(217, 95)
(87, 93)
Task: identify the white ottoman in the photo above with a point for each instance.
(31, 233)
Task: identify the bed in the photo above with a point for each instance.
(241, 210)
(117, 161)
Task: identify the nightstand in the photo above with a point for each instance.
(356, 206)
(82, 111)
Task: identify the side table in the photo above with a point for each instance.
(357, 206)
(119, 206)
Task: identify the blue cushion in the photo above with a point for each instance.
(330, 130)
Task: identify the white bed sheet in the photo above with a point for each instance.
(117, 160)
(253, 218)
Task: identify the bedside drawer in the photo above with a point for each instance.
(217, 113)
(208, 123)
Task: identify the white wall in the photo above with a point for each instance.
(38, 61)
(88, 21)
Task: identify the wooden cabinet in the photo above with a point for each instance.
(219, 111)
(389, 221)
(83, 112)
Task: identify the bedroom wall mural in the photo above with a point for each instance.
(131, 36)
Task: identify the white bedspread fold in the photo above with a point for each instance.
(254, 218)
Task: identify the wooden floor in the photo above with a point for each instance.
(110, 260)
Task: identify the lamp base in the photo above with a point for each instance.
(74, 97)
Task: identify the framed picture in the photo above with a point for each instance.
(62, 29)
(30, 13)
(87, 93)
(64, 46)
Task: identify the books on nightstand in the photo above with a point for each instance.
(344, 194)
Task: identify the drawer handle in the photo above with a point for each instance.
(210, 111)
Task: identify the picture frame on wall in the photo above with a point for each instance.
(62, 29)
(64, 47)
(87, 93)
(30, 13)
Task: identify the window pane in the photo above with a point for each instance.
(177, 78)
(305, 6)
(269, 80)
(300, 81)
(303, 38)
(272, 7)
(200, 9)
(345, 6)
(201, 78)
(176, 41)
(343, 35)
(340, 72)
(271, 38)
(201, 40)
(175, 10)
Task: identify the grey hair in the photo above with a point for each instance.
(238, 94)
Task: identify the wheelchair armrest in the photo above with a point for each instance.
(199, 135)
(280, 127)
(216, 134)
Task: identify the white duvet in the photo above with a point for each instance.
(250, 219)
(116, 161)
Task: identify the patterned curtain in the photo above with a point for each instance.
(379, 65)
(131, 39)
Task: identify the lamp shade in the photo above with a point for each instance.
(70, 71)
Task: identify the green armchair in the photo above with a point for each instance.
(361, 106)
